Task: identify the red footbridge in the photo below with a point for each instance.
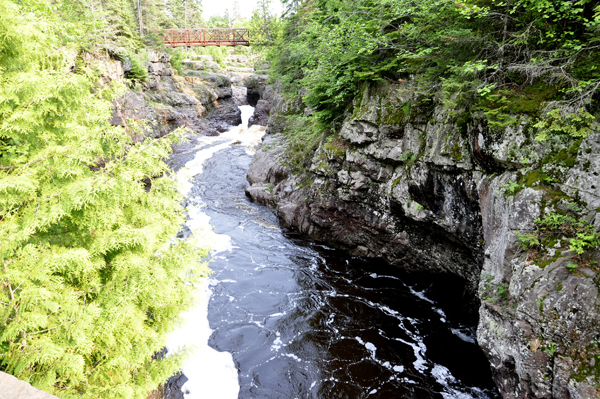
(206, 37)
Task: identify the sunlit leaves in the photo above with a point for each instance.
(91, 279)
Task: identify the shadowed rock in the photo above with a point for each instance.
(261, 114)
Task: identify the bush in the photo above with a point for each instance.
(176, 58)
(92, 279)
(138, 71)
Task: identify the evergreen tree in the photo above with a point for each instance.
(461, 50)
(185, 13)
(264, 26)
(233, 14)
(92, 279)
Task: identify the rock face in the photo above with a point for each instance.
(261, 114)
(202, 102)
(256, 85)
(406, 183)
(12, 388)
(174, 385)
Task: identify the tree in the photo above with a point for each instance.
(233, 15)
(264, 26)
(217, 21)
(91, 277)
(184, 13)
(463, 50)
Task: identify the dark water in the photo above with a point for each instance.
(305, 321)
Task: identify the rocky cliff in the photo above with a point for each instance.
(200, 100)
(406, 181)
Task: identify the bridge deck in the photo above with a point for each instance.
(206, 37)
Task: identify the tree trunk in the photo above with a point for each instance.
(139, 9)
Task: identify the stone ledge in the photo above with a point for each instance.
(13, 388)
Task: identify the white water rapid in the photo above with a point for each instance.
(211, 374)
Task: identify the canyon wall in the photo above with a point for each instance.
(405, 181)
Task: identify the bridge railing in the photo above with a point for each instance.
(206, 37)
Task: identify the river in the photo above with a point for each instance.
(283, 317)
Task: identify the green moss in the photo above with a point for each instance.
(534, 178)
(585, 366)
(423, 146)
(462, 122)
(564, 156)
(456, 151)
(334, 150)
(357, 112)
(531, 99)
(393, 115)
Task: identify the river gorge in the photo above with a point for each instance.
(368, 199)
(285, 317)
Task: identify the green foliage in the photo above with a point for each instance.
(138, 70)
(218, 53)
(503, 291)
(580, 233)
(334, 150)
(409, 158)
(504, 57)
(495, 292)
(551, 350)
(585, 239)
(183, 13)
(176, 58)
(303, 137)
(264, 26)
(91, 278)
(511, 188)
(528, 240)
(553, 221)
(571, 267)
(572, 125)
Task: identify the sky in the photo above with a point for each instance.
(217, 7)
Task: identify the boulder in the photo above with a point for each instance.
(224, 115)
(173, 387)
(194, 65)
(261, 114)
(13, 388)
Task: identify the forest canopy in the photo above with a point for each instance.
(465, 50)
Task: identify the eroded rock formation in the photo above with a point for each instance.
(202, 100)
(406, 182)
